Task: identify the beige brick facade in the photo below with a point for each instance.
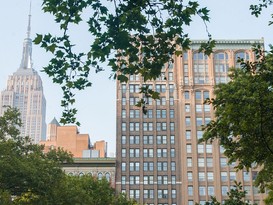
(159, 160)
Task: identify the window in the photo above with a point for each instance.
(188, 147)
(170, 76)
(190, 190)
(222, 149)
(148, 166)
(123, 152)
(187, 107)
(198, 108)
(148, 179)
(205, 95)
(123, 88)
(123, 139)
(209, 148)
(147, 139)
(223, 162)
(201, 162)
(149, 114)
(123, 126)
(199, 121)
(171, 88)
(123, 114)
(162, 166)
(173, 193)
(123, 166)
(171, 101)
(161, 126)
(134, 153)
(246, 176)
(200, 148)
(172, 153)
(162, 76)
(201, 176)
(172, 139)
(210, 176)
(148, 153)
(99, 176)
(190, 202)
(148, 193)
(162, 194)
(224, 176)
(147, 126)
(134, 179)
(186, 80)
(133, 88)
(161, 152)
(189, 162)
(207, 108)
(185, 56)
(210, 190)
(161, 139)
(199, 134)
(207, 120)
(173, 166)
(133, 100)
(187, 95)
(247, 189)
(209, 162)
(160, 88)
(232, 176)
(134, 194)
(134, 166)
(188, 134)
(134, 139)
(173, 179)
(189, 176)
(162, 179)
(171, 114)
(134, 126)
(197, 95)
(188, 121)
(240, 55)
(123, 179)
(134, 113)
(161, 114)
(202, 191)
(172, 126)
(224, 190)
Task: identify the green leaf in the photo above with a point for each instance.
(38, 39)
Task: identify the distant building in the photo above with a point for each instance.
(101, 146)
(69, 138)
(25, 92)
(96, 167)
(159, 159)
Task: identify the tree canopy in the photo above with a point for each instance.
(243, 116)
(30, 176)
(132, 37)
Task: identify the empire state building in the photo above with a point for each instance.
(25, 91)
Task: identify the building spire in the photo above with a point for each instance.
(29, 21)
(26, 62)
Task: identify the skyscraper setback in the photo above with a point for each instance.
(159, 159)
(25, 92)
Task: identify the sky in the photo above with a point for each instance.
(230, 19)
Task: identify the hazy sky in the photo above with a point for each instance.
(230, 19)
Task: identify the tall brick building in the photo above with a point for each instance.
(159, 160)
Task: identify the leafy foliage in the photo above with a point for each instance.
(133, 37)
(244, 111)
(31, 177)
